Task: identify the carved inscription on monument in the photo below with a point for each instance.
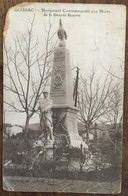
(58, 84)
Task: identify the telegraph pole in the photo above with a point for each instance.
(75, 93)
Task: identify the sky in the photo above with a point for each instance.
(96, 37)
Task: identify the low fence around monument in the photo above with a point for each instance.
(61, 167)
(66, 162)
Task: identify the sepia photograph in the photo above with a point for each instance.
(63, 97)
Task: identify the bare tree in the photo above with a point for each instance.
(113, 119)
(115, 103)
(118, 76)
(27, 70)
(93, 103)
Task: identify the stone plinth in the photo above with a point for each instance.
(66, 115)
(48, 150)
(61, 84)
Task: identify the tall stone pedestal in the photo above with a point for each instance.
(61, 83)
(48, 149)
(62, 95)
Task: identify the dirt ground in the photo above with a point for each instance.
(58, 185)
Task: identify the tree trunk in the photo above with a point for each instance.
(26, 141)
(87, 130)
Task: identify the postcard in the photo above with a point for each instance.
(63, 97)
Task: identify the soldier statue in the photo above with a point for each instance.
(46, 123)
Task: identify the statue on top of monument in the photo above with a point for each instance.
(62, 35)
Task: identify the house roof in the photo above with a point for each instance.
(5, 125)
